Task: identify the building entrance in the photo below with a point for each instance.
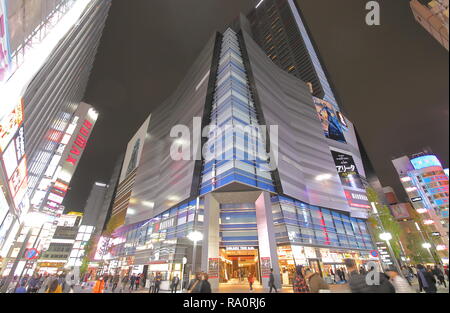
(237, 263)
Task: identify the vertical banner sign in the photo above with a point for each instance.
(265, 267)
(5, 55)
(213, 268)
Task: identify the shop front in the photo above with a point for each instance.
(327, 262)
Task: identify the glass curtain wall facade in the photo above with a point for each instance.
(236, 146)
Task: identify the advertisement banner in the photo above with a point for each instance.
(266, 265)
(213, 267)
(400, 211)
(9, 125)
(346, 168)
(330, 120)
(5, 53)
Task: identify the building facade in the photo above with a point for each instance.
(426, 185)
(433, 16)
(51, 47)
(244, 154)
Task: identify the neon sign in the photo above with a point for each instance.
(425, 161)
(79, 143)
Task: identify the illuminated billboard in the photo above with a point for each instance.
(9, 125)
(5, 55)
(400, 211)
(330, 120)
(346, 168)
(425, 161)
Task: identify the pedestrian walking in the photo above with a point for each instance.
(251, 280)
(99, 285)
(205, 286)
(316, 283)
(194, 284)
(174, 284)
(299, 283)
(151, 282)
(115, 282)
(158, 279)
(400, 284)
(439, 275)
(272, 285)
(132, 280)
(137, 282)
(358, 283)
(125, 281)
(427, 282)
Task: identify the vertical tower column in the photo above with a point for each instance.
(211, 239)
(266, 237)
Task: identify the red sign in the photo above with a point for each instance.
(31, 254)
(80, 143)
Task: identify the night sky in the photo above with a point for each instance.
(392, 80)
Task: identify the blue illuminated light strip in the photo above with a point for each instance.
(243, 158)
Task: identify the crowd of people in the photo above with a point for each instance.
(39, 283)
(305, 280)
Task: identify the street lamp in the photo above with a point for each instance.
(386, 236)
(194, 236)
(426, 245)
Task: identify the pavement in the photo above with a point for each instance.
(244, 288)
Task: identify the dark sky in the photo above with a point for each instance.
(392, 79)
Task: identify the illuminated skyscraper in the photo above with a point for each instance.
(48, 49)
(427, 187)
(280, 181)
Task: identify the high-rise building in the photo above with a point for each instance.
(433, 16)
(273, 181)
(47, 52)
(427, 187)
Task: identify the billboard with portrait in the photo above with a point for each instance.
(330, 120)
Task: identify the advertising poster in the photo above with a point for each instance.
(346, 168)
(330, 120)
(265, 267)
(400, 211)
(213, 268)
(5, 57)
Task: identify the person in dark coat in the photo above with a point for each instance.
(439, 275)
(426, 279)
(205, 286)
(158, 279)
(358, 283)
(272, 282)
(194, 283)
(132, 280)
(174, 284)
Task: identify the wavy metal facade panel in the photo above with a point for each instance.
(162, 182)
(303, 150)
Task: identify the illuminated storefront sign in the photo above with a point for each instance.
(79, 143)
(18, 177)
(357, 199)
(9, 125)
(5, 56)
(425, 161)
